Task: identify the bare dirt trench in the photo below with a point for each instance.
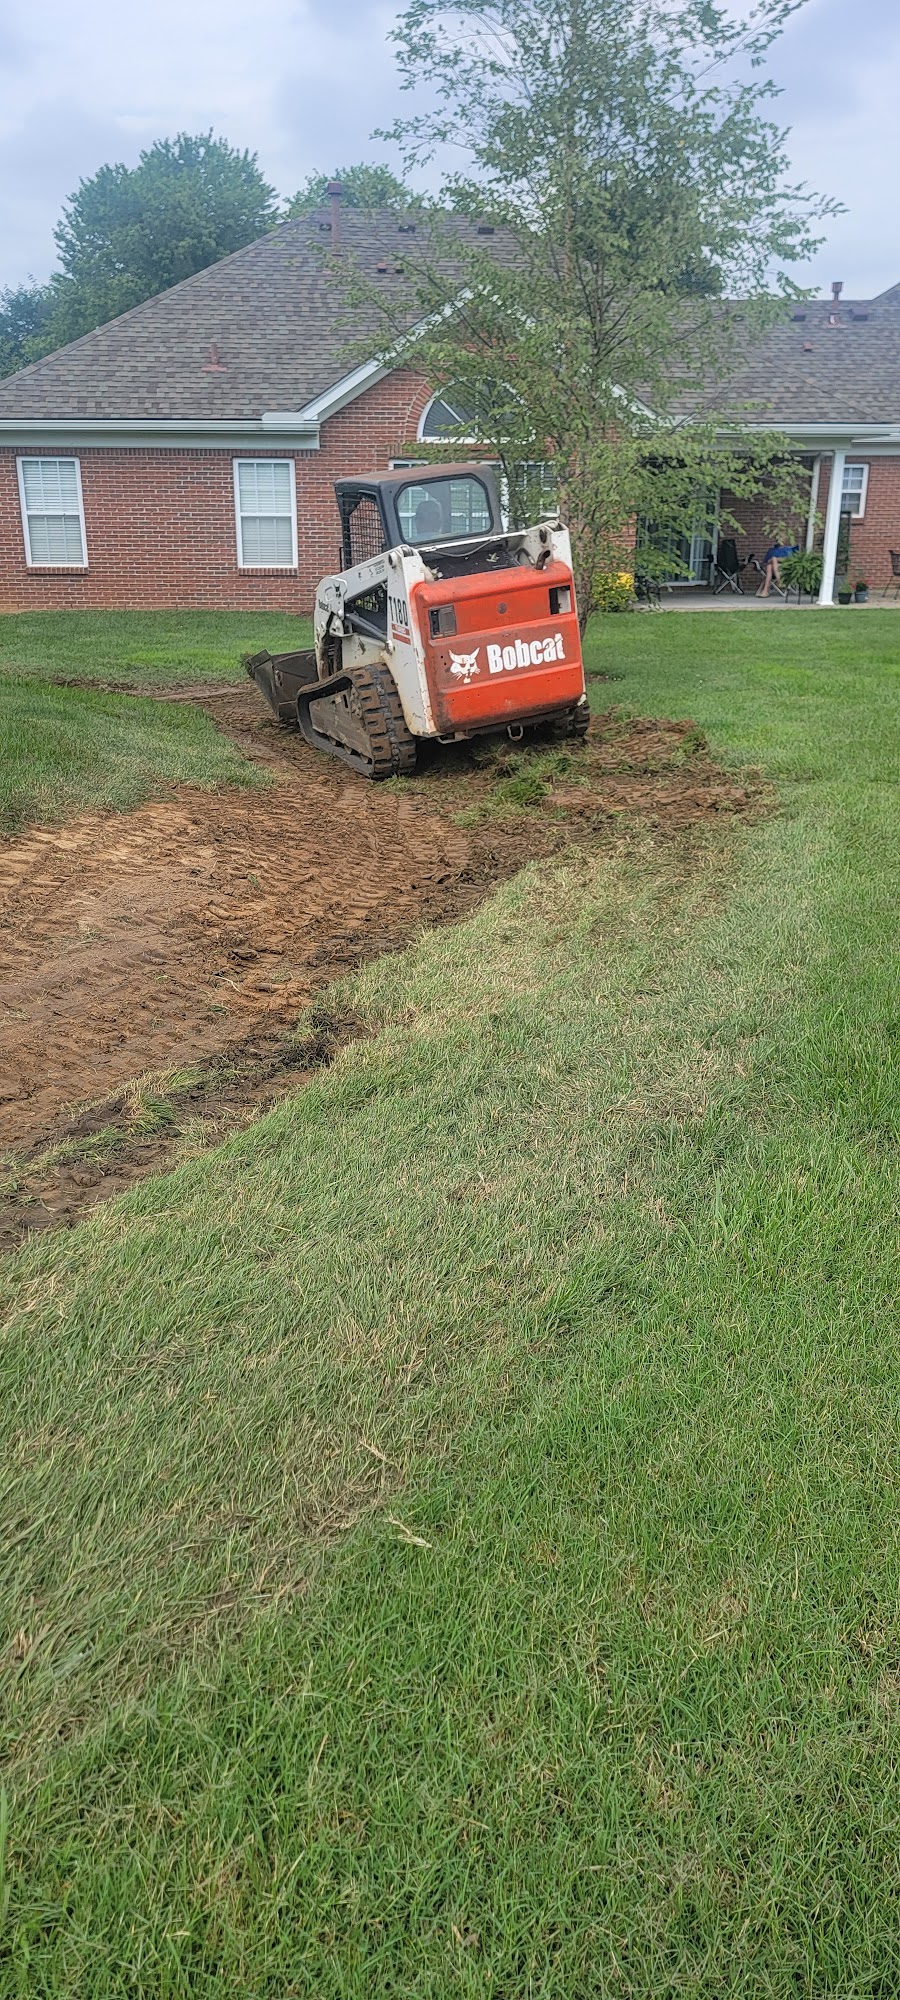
(192, 932)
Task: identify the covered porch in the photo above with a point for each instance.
(851, 517)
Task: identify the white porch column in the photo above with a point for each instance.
(832, 528)
(813, 502)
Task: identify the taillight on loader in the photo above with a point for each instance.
(442, 621)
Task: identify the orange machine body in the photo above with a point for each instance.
(516, 651)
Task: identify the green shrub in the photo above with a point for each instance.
(614, 591)
(804, 570)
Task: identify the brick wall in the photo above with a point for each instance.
(160, 524)
(871, 539)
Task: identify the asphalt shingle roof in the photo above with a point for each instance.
(826, 364)
(281, 337)
(271, 311)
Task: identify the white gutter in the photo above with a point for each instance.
(196, 433)
(834, 436)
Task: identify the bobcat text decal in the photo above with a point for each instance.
(525, 653)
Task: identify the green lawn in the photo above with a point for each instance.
(452, 1531)
(142, 648)
(62, 749)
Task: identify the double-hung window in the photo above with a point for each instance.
(52, 513)
(853, 494)
(265, 501)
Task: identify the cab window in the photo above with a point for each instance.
(437, 510)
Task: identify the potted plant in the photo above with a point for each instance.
(845, 593)
(861, 590)
(803, 571)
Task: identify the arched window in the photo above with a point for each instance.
(447, 416)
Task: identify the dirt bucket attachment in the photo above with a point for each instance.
(279, 677)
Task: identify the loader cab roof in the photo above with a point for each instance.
(422, 506)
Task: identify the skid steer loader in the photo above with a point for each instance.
(441, 624)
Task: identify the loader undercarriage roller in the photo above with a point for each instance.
(574, 723)
(357, 716)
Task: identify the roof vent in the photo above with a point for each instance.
(398, 267)
(485, 229)
(214, 366)
(837, 288)
(798, 316)
(859, 315)
(406, 229)
(807, 347)
(381, 267)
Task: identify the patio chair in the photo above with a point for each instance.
(754, 567)
(895, 571)
(725, 569)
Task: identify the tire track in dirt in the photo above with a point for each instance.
(129, 942)
(200, 925)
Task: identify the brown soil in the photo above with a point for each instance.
(195, 930)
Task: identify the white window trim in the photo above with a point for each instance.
(438, 397)
(864, 489)
(66, 458)
(239, 537)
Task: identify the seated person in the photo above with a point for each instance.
(429, 519)
(771, 561)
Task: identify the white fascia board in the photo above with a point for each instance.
(830, 436)
(331, 401)
(124, 431)
(366, 375)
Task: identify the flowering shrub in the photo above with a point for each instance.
(614, 591)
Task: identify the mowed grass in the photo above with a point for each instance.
(143, 648)
(452, 1539)
(64, 749)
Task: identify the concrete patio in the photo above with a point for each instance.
(697, 598)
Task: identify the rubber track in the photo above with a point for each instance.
(391, 748)
(576, 723)
(386, 724)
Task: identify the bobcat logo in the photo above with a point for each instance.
(464, 665)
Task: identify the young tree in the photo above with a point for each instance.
(362, 186)
(645, 221)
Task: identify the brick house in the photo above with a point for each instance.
(829, 379)
(183, 455)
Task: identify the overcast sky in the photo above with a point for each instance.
(303, 86)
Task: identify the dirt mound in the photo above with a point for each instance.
(183, 932)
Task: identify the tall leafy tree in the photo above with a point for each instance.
(362, 186)
(129, 232)
(646, 223)
(25, 313)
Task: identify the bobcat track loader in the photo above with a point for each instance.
(441, 624)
